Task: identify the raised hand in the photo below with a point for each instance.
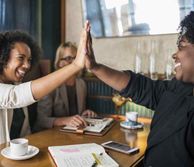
(90, 58)
(82, 48)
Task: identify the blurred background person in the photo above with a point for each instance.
(67, 104)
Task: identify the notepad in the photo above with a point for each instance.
(94, 125)
(82, 155)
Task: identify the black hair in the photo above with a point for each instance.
(7, 41)
(186, 28)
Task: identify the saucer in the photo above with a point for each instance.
(131, 125)
(32, 151)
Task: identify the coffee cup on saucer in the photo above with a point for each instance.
(131, 116)
(19, 146)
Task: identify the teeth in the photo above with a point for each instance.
(176, 65)
(22, 73)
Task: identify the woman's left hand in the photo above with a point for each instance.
(89, 113)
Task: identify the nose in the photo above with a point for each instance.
(26, 65)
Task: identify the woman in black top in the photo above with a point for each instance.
(171, 139)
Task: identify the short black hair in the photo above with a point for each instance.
(7, 41)
(186, 28)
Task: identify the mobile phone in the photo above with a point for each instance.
(120, 147)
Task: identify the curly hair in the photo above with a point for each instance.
(186, 28)
(7, 41)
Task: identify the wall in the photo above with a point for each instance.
(50, 27)
(118, 53)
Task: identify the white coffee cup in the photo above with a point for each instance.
(19, 146)
(131, 116)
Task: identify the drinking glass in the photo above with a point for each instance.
(152, 61)
(119, 101)
(169, 65)
(138, 58)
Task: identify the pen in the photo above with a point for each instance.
(94, 164)
(97, 161)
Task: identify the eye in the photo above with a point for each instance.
(180, 46)
(21, 58)
(30, 60)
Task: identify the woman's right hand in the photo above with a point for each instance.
(82, 48)
(74, 121)
(90, 58)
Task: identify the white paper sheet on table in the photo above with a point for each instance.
(80, 155)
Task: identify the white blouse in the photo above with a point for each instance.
(12, 96)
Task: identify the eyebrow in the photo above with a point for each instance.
(69, 56)
(21, 54)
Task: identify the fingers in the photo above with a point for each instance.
(85, 113)
(85, 37)
(90, 59)
(82, 48)
(87, 26)
(77, 121)
(89, 113)
(88, 38)
(85, 48)
(89, 43)
(94, 114)
(89, 47)
(87, 30)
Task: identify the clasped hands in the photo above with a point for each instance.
(85, 55)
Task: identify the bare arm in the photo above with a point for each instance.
(116, 79)
(43, 86)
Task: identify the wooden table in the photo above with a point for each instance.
(54, 137)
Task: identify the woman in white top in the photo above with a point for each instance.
(66, 104)
(17, 53)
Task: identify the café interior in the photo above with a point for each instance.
(127, 35)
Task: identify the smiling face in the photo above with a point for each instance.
(184, 61)
(18, 64)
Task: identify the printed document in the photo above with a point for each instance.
(82, 155)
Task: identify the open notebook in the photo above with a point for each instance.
(95, 126)
(82, 155)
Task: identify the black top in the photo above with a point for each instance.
(171, 139)
(72, 99)
(17, 123)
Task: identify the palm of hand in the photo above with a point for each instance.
(80, 58)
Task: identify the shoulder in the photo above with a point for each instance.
(22, 88)
(178, 86)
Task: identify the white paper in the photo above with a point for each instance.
(80, 155)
